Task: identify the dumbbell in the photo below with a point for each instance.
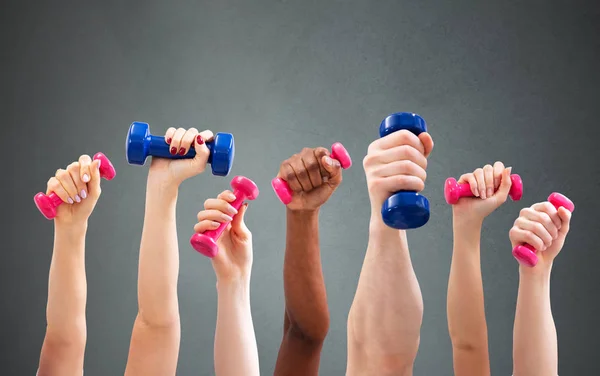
(454, 191)
(206, 243)
(283, 190)
(48, 204)
(404, 209)
(140, 144)
(525, 253)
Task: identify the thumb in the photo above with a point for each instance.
(94, 183)
(202, 151)
(427, 142)
(238, 226)
(565, 218)
(333, 168)
(505, 184)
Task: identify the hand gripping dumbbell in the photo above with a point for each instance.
(525, 253)
(140, 144)
(283, 190)
(48, 204)
(453, 191)
(404, 209)
(206, 243)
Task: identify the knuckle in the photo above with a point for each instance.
(290, 176)
(73, 166)
(207, 203)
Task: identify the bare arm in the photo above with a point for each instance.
(236, 351)
(64, 345)
(385, 318)
(535, 346)
(156, 333)
(465, 306)
(306, 321)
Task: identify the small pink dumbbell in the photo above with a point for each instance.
(281, 187)
(525, 253)
(48, 204)
(206, 243)
(454, 191)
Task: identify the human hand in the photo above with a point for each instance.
(396, 162)
(543, 227)
(175, 171)
(78, 186)
(490, 187)
(233, 262)
(313, 176)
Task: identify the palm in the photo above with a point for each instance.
(476, 206)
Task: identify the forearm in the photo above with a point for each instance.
(159, 258)
(67, 286)
(236, 350)
(465, 306)
(535, 348)
(385, 318)
(305, 294)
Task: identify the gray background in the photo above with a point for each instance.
(497, 80)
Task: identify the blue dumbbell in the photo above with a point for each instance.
(404, 209)
(140, 144)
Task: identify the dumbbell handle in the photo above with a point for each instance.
(464, 189)
(240, 197)
(558, 201)
(158, 147)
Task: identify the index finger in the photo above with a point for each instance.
(398, 138)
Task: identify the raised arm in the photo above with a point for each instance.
(465, 306)
(236, 351)
(313, 177)
(385, 318)
(535, 345)
(155, 339)
(64, 344)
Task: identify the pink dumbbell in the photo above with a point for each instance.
(206, 243)
(525, 253)
(453, 191)
(48, 204)
(281, 187)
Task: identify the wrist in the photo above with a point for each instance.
(236, 287)
(70, 228)
(302, 214)
(540, 273)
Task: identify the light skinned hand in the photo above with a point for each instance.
(175, 171)
(544, 228)
(396, 162)
(490, 186)
(78, 186)
(233, 262)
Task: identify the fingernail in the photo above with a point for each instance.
(490, 192)
(215, 224)
(83, 194)
(226, 218)
(329, 161)
(99, 163)
(77, 198)
(232, 210)
(482, 194)
(173, 150)
(231, 196)
(86, 178)
(70, 200)
(182, 151)
(168, 140)
(199, 140)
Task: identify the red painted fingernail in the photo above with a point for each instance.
(199, 140)
(173, 150)
(169, 140)
(182, 151)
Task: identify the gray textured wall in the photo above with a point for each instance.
(497, 80)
